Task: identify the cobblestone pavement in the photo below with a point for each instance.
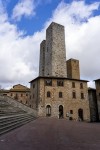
(53, 134)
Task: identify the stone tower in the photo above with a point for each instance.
(53, 53)
(73, 70)
(42, 58)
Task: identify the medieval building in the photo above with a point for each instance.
(97, 83)
(93, 105)
(19, 93)
(59, 91)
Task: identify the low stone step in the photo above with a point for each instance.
(10, 113)
(16, 125)
(7, 118)
(10, 121)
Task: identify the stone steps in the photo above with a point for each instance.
(9, 123)
(13, 115)
(7, 109)
(9, 118)
(10, 113)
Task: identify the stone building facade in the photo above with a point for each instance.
(93, 105)
(60, 97)
(97, 83)
(18, 92)
(58, 91)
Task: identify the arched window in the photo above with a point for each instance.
(48, 110)
(80, 114)
(60, 111)
(48, 94)
(71, 111)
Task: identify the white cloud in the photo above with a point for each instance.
(19, 54)
(18, 59)
(24, 8)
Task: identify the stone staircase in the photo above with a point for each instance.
(7, 109)
(9, 123)
(12, 117)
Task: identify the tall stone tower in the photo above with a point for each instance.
(53, 53)
(73, 70)
(42, 58)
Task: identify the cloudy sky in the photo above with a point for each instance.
(22, 28)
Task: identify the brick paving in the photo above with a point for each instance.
(53, 134)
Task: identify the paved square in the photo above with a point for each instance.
(53, 134)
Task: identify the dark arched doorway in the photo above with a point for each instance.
(60, 111)
(48, 110)
(80, 114)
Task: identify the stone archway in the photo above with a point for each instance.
(60, 111)
(80, 114)
(48, 110)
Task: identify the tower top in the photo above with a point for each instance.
(54, 24)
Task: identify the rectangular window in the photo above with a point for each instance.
(60, 95)
(71, 111)
(26, 94)
(48, 94)
(82, 95)
(81, 85)
(21, 95)
(33, 85)
(48, 82)
(60, 83)
(16, 96)
(73, 84)
(74, 94)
